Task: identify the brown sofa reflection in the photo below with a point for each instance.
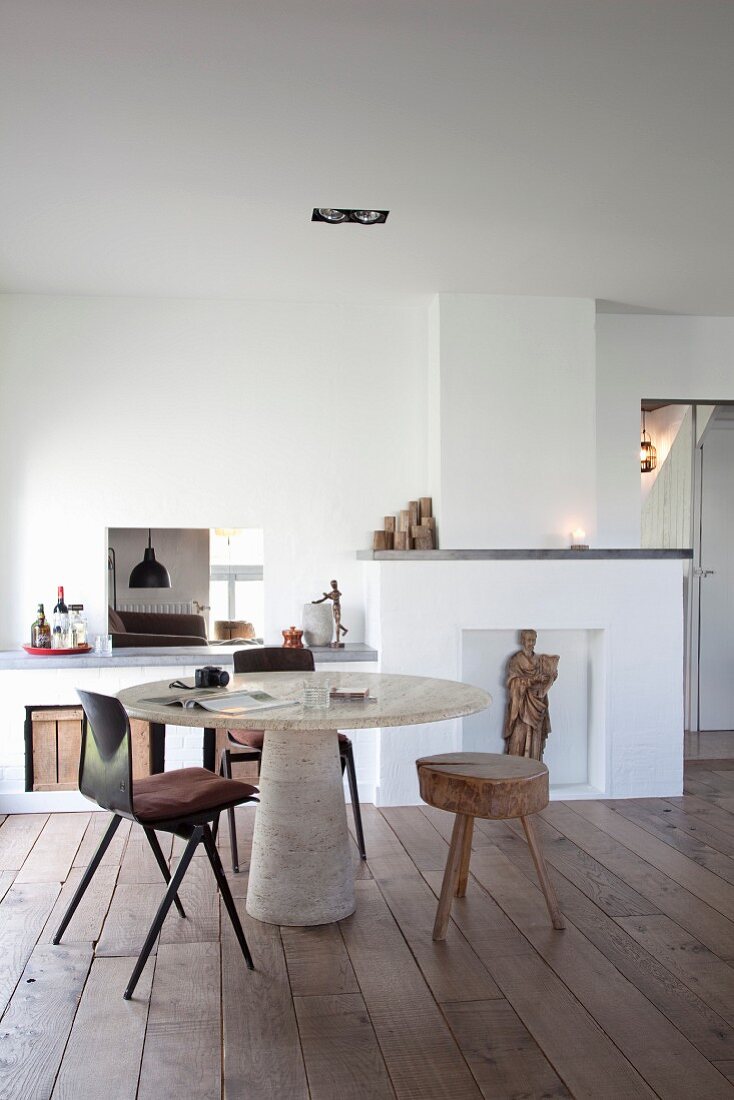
(136, 629)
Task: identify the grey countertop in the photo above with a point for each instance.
(593, 554)
(175, 655)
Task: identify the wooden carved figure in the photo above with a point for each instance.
(339, 630)
(530, 676)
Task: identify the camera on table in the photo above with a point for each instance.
(211, 676)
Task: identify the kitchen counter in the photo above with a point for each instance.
(148, 657)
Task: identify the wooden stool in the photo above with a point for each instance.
(484, 784)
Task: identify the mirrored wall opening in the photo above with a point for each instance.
(213, 573)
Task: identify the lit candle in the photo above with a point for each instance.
(578, 540)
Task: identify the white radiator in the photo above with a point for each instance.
(160, 608)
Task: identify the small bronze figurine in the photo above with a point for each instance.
(530, 676)
(335, 597)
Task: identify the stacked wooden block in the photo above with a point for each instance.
(414, 528)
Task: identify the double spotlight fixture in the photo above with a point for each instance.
(335, 216)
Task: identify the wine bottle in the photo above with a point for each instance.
(60, 635)
(41, 631)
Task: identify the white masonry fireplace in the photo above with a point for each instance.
(616, 619)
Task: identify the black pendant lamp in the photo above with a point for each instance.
(149, 573)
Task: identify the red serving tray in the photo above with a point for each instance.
(56, 652)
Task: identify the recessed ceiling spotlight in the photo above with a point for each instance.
(335, 216)
(368, 217)
(329, 214)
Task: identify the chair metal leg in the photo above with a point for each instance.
(226, 765)
(215, 822)
(209, 749)
(161, 861)
(163, 908)
(87, 877)
(211, 851)
(348, 756)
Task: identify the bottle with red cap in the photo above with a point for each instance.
(60, 631)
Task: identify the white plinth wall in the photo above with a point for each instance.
(617, 708)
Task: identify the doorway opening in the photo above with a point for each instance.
(687, 502)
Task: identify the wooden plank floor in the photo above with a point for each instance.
(634, 999)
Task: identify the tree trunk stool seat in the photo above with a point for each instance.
(491, 785)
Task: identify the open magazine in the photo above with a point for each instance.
(223, 702)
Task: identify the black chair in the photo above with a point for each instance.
(249, 743)
(181, 802)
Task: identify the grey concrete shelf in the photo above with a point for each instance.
(521, 555)
(178, 655)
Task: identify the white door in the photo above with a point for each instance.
(716, 654)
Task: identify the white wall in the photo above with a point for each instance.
(313, 420)
(634, 689)
(517, 420)
(673, 358)
(433, 427)
(305, 419)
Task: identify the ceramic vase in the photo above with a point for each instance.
(318, 624)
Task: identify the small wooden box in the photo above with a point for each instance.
(53, 746)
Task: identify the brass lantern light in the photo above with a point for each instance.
(648, 454)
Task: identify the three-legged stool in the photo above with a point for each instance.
(484, 784)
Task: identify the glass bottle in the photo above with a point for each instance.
(41, 631)
(60, 635)
(78, 625)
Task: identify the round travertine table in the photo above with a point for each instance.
(301, 867)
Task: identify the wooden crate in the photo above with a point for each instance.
(140, 735)
(55, 744)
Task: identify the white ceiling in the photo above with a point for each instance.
(177, 147)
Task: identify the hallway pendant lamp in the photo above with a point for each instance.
(149, 573)
(648, 454)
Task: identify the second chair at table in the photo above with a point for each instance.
(247, 745)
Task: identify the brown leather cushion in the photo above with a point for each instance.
(184, 792)
(254, 739)
(115, 625)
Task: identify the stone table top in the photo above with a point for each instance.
(399, 701)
